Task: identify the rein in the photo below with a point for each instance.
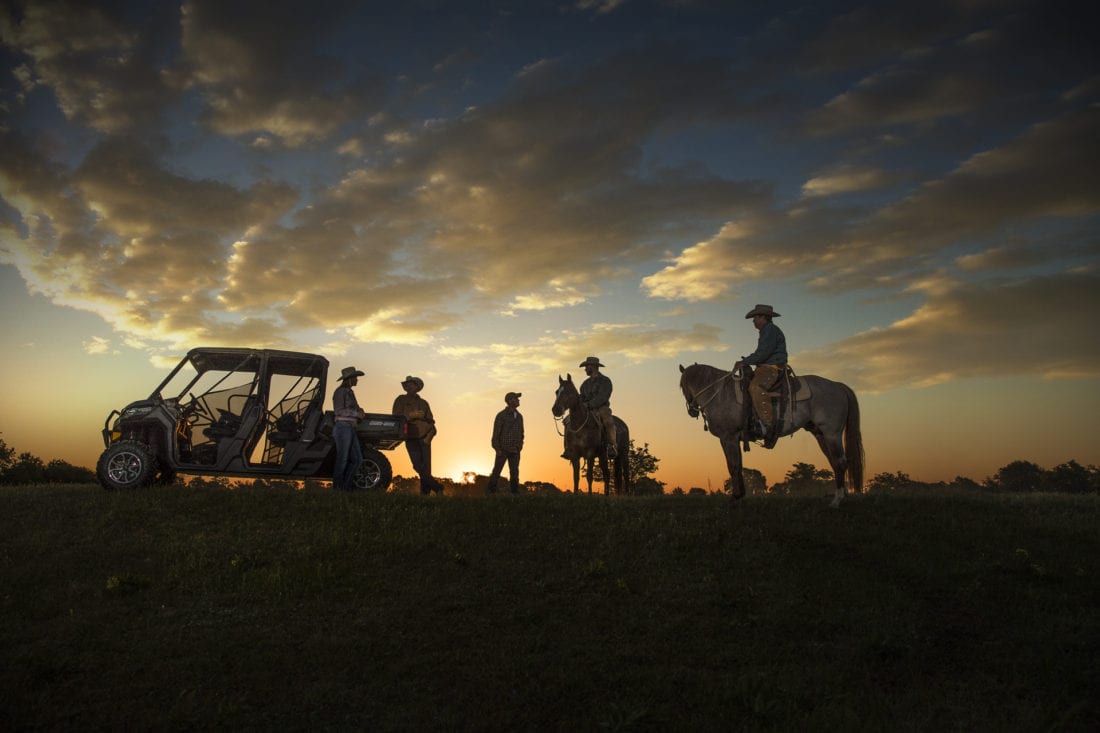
(700, 408)
(566, 428)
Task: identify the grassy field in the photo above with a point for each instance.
(177, 608)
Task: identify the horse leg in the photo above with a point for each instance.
(833, 448)
(731, 446)
(608, 465)
(576, 474)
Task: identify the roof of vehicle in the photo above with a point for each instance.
(226, 358)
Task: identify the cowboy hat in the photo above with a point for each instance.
(591, 360)
(415, 380)
(349, 372)
(762, 310)
(510, 395)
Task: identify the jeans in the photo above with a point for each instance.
(513, 471)
(349, 455)
(420, 454)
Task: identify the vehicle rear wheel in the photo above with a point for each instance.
(375, 472)
(126, 464)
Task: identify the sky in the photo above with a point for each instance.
(483, 194)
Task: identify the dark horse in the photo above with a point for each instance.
(584, 440)
(831, 415)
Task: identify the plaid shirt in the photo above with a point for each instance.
(508, 431)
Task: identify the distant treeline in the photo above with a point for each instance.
(1016, 477)
(803, 478)
(27, 468)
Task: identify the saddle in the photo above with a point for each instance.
(787, 389)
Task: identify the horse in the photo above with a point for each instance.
(831, 414)
(584, 440)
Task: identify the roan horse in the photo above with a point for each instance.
(584, 440)
(831, 415)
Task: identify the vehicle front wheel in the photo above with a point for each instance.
(126, 464)
(375, 472)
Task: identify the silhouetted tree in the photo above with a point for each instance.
(209, 482)
(405, 485)
(1071, 477)
(805, 478)
(647, 486)
(964, 483)
(26, 469)
(755, 482)
(7, 455)
(890, 482)
(1018, 476)
(642, 462)
(63, 472)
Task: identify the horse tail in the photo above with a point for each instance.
(853, 442)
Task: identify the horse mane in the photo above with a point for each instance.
(708, 371)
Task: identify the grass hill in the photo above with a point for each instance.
(279, 609)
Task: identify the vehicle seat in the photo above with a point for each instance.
(286, 430)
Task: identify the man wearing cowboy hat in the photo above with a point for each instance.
(421, 430)
(507, 441)
(770, 359)
(596, 396)
(349, 454)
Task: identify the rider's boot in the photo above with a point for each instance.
(612, 451)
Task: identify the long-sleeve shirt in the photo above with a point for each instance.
(418, 414)
(596, 391)
(771, 347)
(508, 431)
(345, 405)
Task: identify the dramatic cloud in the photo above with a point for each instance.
(845, 179)
(543, 357)
(258, 68)
(1034, 327)
(103, 72)
(1046, 172)
(217, 173)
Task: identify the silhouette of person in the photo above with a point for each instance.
(507, 441)
(596, 396)
(349, 454)
(421, 430)
(770, 359)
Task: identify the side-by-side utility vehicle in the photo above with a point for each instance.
(244, 413)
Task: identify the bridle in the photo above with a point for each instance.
(562, 419)
(696, 408)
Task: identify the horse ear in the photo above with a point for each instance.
(681, 369)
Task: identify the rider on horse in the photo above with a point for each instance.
(770, 359)
(596, 396)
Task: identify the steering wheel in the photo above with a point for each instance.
(198, 410)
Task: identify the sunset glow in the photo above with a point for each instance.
(484, 197)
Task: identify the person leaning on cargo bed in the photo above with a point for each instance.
(421, 429)
(348, 452)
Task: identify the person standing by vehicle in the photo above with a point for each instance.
(770, 359)
(349, 454)
(507, 441)
(421, 429)
(596, 396)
